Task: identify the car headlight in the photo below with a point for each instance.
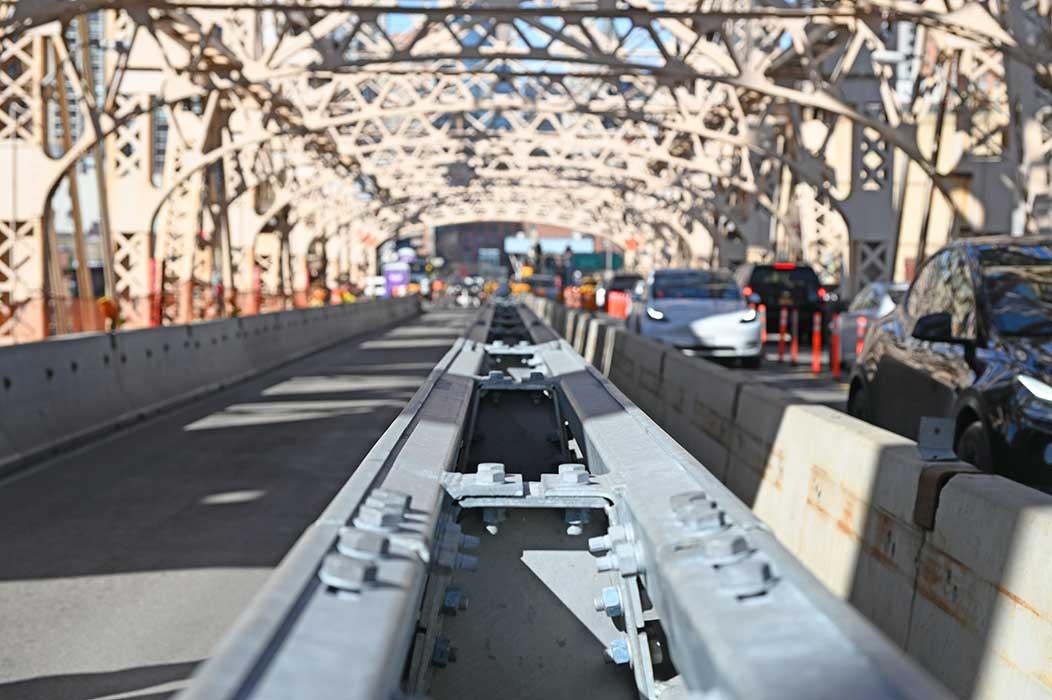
(1036, 387)
(654, 314)
(749, 316)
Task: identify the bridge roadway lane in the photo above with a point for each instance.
(123, 563)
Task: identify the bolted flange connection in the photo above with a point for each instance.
(618, 652)
(609, 602)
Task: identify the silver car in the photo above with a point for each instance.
(876, 299)
(701, 312)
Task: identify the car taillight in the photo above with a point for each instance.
(785, 266)
(822, 293)
(747, 291)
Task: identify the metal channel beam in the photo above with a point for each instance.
(353, 611)
(301, 639)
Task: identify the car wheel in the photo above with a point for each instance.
(973, 446)
(858, 403)
(752, 362)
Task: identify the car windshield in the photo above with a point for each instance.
(1017, 281)
(695, 285)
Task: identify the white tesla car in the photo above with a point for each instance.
(701, 312)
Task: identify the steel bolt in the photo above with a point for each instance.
(747, 579)
(575, 519)
(599, 544)
(701, 518)
(609, 601)
(618, 652)
(616, 533)
(347, 573)
(444, 653)
(606, 563)
(681, 500)
(364, 544)
(573, 474)
(490, 473)
(492, 517)
(452, 601)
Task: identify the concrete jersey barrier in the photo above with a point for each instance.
(969, 599)
(58, 392)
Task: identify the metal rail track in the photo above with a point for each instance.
(698, 598)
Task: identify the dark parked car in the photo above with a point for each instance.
(784, 284)
(972, 341)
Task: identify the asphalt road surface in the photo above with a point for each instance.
(124, 562)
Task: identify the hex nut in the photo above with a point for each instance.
(747, 579)
(726, 547)
(681, 500)
(609, 602)
(490, 473)
(377, 519)
(573, 473)
(618, 652)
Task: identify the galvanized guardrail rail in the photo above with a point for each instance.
(693, 595)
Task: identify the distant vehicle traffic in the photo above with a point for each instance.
(544, 286)
(971, 341)
(375, 286)
(699, 311)
(876, 300)
(784, 285)
(615, 282)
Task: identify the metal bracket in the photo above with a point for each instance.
(935, 439)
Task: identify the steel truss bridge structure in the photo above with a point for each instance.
(238, 140)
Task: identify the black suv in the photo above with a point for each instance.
(972, 341)
(783, 284)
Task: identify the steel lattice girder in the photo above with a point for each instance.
(706, 116)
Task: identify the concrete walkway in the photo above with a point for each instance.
(123, 563)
